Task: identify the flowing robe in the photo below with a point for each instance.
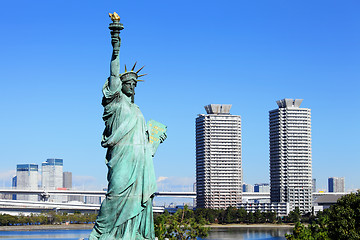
(126, 212)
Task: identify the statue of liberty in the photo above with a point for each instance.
(126, 212)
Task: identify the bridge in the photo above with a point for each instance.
(245, 195)
(88, 193)
(27, 207)
(15, 207)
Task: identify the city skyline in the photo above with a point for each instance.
(269, 51)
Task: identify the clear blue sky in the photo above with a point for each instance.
(55, 58)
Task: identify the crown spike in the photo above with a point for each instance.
(142, 75)
(140, 69)
(134, 66)
(125, 68)
(140, 80)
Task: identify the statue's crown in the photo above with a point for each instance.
(131, 75)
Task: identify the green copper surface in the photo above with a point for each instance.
(126, 213)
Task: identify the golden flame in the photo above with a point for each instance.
(114, 16)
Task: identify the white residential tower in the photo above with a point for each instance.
(290, 155)
(218, 158)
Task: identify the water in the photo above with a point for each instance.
(248, 233)
(215, 233)
(45, 234)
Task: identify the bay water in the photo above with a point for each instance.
(215, 233)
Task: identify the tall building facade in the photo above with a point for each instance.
(336, 184)
(26, 179)
(262, 187)
(218, 158)
(52, 174)
(14, 184)
(247, 187)
(67, 180)
(290, 154)
(314, 185)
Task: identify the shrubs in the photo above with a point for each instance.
(234, 215)
(181, 225)
(50, 217)
(339, 222)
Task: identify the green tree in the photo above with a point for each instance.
(270, 217)
(230, 215)
(180, 226)
(294, 216)
(340, 222)
(300, 232)
(250, 217)
(258, 216)
(344, 218)
(241, 215)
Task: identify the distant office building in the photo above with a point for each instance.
(52, 174)
(52, 177)
(314, 185)
(336, 184)
(290, 154)
(248, 187)
(26, 179)
(262, 187)
(14, 182)
(67, 184)
(218, 158)
(13, 185)
(67, 180)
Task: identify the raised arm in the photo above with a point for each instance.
(114, 80)
(115, 27)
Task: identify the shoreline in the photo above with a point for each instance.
(47, 227)
(255, 225)
(90, 226)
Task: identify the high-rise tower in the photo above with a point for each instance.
(218, 158)
(336, 184)
(27, 179)
(67, 180)
(52, 174)
(290, 155)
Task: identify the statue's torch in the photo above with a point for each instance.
(115, 28)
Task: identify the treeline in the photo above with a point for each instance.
(240, 215)
(180, 225)
(189, 224)
(339, 222)
(46, 218)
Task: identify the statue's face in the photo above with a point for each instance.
(128, 87)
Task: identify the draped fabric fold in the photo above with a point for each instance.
(126, 212)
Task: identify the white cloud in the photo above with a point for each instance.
(174, 184)
(160, 179)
